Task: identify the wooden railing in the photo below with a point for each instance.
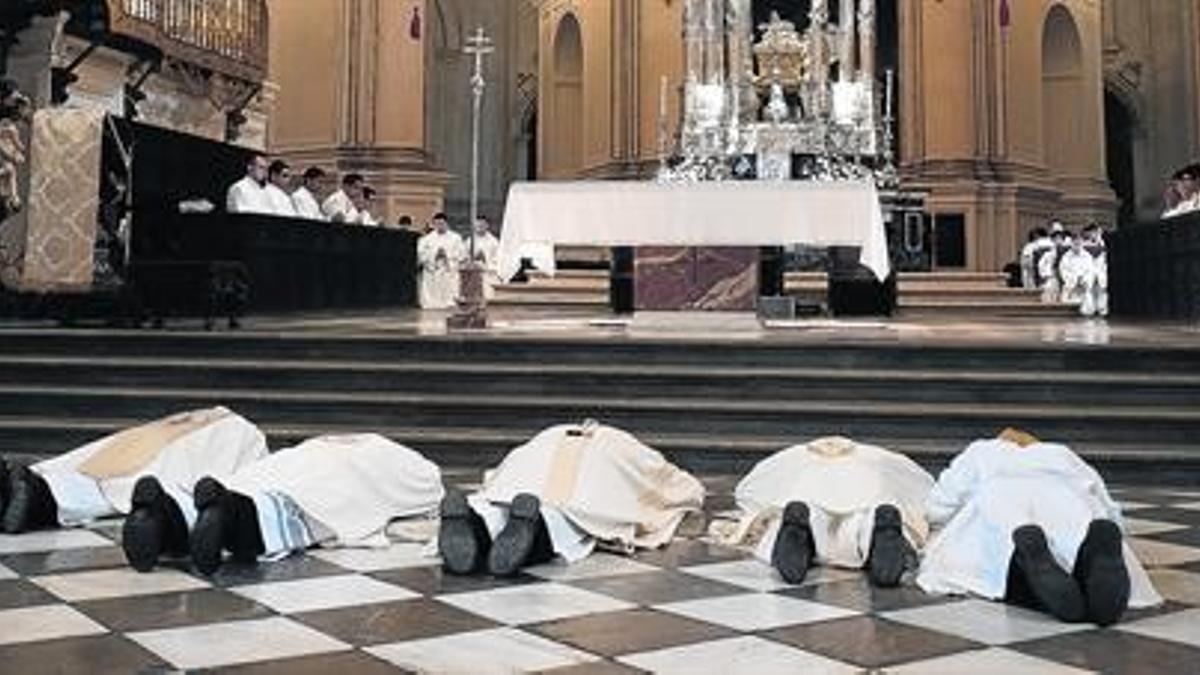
(226, 36)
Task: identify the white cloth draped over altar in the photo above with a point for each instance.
(540, 216)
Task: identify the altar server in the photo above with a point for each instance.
(279, 178)
(304, 199)
(1077, 270)
(836, 502)
(249, 195)
(339, 207)
(1039, 243)
(487, 253)
(1033, 524)
(106, 478)
(439, 254)
(1048, 264)
(327, 491)
(561, 493)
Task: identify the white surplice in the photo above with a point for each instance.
(305, 204)
(996, 486)
(609, 486)
(1077, 270)
(97, 479)
(842, 482)
(248, 196)
(348, 487)
(339, 208)
(487, 249)
(439, 254)
(281, 202)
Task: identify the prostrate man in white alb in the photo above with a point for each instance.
(279, 178)
(439, 255)
(487, 253)
(339, 207)
(146, 472)
(327, 491)
(1033, 524)
(249, 195)
(836, 502)
(304, 199)
(567, 489)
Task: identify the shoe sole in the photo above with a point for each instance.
(1052, 595)
(886, 564)
(1108, 579)
(456, 540)
(513, 545)
(141, 539)
(792, 543)
(207, 541)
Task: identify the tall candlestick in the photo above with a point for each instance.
(887, 108)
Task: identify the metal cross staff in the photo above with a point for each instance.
(479, 45)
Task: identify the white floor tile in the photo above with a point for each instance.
(756, 611)
(51, 540)
(117, 583)
(398, 556)
(1136, 527)
(6, 574)
(750, 655)
(994, 661)
(532, 603)
(1162, 554)
(310, 595)
(593, 566)
(47, 622)
(499, 650)
(1178, 627)
(234, 642)
(991, 623)
(750, 573)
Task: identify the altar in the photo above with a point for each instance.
(722, 217)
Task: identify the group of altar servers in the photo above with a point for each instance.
(1012, 518)
(1068, 268)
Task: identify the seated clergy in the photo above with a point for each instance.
(1033, 524)
(560, 494)
(439, 255)
(304, 199)
(836, 502)
(279, 178)
(339, 207)
(103, 478)
(364, 204)
(1184, 191)
(249, 195)
(327, 491)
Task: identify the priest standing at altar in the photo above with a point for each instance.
(439, 254)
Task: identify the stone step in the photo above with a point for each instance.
(608, 380)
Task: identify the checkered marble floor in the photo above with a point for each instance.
(68, 604)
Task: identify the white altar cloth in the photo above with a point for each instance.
(735, 213)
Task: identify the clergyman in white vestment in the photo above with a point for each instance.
(106, 477)
(559, 495)
(439, 254)
(487, 253)
(304, 199)
(1031, 523)
(327, 491)
(249, 195)
(836, 502)
(339, 207)
(279, 175)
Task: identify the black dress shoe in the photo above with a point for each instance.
(524, 540)
(31, 505)
(142, 533)
(463, 539)
(1101, 573)
(208, 536)
(889, 549)
(794, 548)
(4, 486)
(243, 530)
(1055, 590)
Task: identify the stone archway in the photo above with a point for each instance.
(564, 132)
(1064, 95)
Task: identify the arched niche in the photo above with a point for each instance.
(564, 138)
(1064, 95)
